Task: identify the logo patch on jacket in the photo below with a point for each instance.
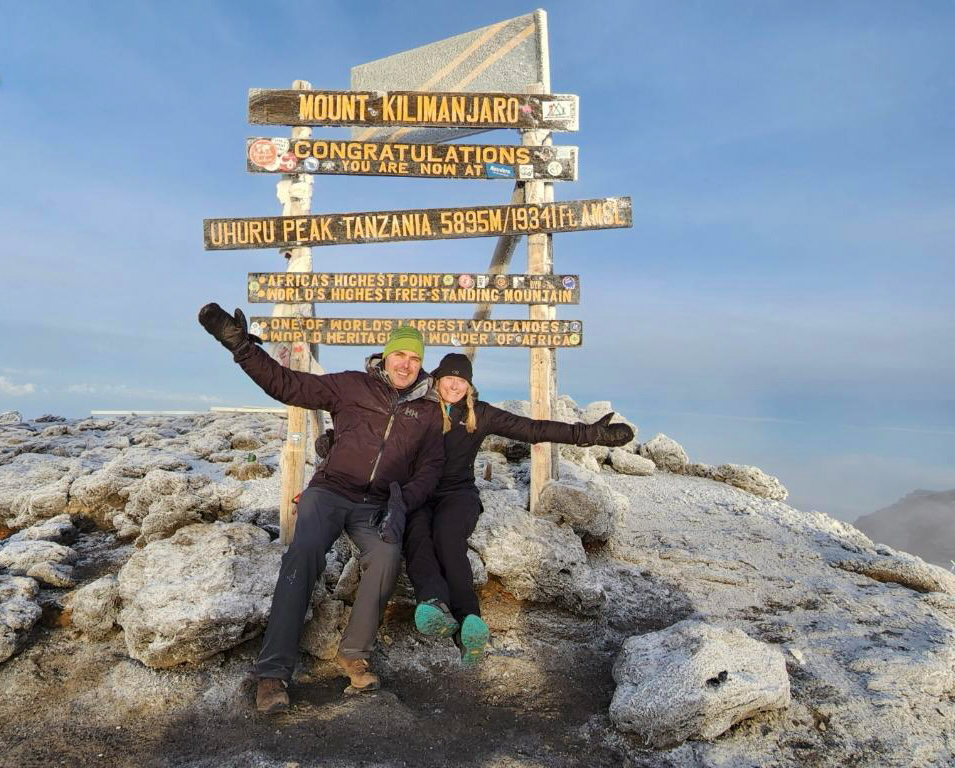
(410, 412)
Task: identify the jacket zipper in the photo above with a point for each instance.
(381, 450)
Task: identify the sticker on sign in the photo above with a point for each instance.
(557, 110)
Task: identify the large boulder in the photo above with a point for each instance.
(694, 680)
(583, 501)
(203, 590)
(535, 559)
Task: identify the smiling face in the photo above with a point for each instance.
(402, 367)
(452, 388)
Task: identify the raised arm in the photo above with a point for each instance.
(305, 390)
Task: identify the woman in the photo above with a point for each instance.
(436, 538)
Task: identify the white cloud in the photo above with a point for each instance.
(8, 387)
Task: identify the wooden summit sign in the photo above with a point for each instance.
(441, 332)
(444, 161)
(444, 287)
(421, 224)
(554, 112)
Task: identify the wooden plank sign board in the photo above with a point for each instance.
(443, 161)
(553, 111)
(421, 224)
(440, 332)
(443, 287)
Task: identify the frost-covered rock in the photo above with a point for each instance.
(95, 606)
(697, 469)
(10, 417)
(52, 574)
(751, 479)
(203, 590)
(666, 453)
(693, 680)
(347, 586)
(18, 557)
(166, 501)
(59, 529)
(322, 633)
(478, 570)
(34, 487)
(535, 559)
(18, 612)
(627, 463)
(99, 495)
(900, 568)
(589, 458)
(587, 505)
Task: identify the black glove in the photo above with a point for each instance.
(392, 527)
(324, 442)
(604, 433)
(230, 331)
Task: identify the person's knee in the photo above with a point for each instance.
(384, 559)
(448, 538)
(313, 523)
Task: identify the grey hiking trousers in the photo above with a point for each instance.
(322, 516)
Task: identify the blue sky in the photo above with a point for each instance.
(783, 299)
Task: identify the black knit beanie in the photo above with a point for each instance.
(454, 364)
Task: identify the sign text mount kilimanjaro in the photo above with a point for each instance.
(556, 112)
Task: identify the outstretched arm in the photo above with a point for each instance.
(506, 424)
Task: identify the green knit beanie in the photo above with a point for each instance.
(405, 337)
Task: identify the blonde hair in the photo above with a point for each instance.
(470, 423)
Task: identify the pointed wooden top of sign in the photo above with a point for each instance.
(507, 57)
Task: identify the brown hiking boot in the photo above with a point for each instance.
(271, 696)
(359, 672)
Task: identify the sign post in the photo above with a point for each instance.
(543, 368)
(295, 193)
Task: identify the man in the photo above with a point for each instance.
(387, 457)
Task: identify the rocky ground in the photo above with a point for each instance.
(653, 613)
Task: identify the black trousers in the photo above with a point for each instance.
(322, 516)
(436, 551)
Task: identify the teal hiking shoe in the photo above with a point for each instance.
(433, 619)
(474, 639)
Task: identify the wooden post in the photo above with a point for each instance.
(542, 360)
(295, 193)
(500, 261)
